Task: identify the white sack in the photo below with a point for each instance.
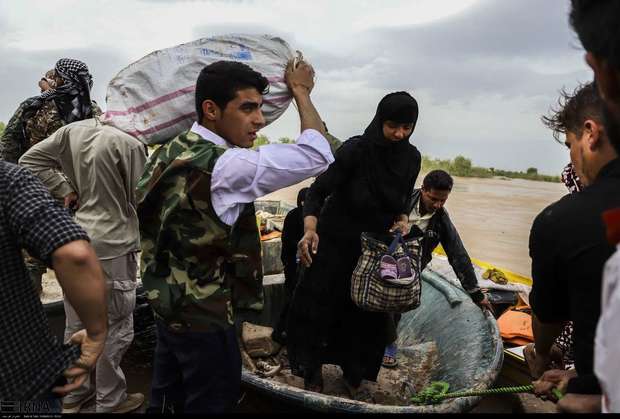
(153, 98)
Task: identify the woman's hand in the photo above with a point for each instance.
(401, 224)
(309, 243)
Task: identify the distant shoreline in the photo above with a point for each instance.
(462, 167)
(498, 177)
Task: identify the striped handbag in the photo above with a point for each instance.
(372, 292)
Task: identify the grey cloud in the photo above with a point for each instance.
(489, 49)
(494, 27)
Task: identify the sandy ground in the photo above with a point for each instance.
(493, 216)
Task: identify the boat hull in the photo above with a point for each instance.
(470, 351)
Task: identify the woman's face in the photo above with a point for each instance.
(395, 131)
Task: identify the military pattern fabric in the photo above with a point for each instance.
(22, 132)
(13, 142)
(43, 123)
(195, 268)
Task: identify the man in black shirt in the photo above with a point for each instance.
(568, 244)
(32, 361)
(596, 23)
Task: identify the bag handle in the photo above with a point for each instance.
(398, 238)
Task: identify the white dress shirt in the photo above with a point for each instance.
(607, 341)
(242, 175)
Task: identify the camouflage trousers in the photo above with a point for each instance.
(36, 269)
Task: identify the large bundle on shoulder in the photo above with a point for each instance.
(153, 98)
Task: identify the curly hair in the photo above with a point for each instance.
(574, 109)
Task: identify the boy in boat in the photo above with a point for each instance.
(200, 242)
(430, 220)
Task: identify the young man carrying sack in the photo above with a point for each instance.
(200, 242)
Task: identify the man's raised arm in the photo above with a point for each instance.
(300, 80)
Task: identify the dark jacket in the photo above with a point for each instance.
(441, 231)
(569, 248)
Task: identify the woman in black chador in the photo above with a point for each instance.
(368, 186)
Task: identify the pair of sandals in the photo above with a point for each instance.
(389, 356)
(394, 270)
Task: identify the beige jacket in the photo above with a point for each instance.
(102, 165)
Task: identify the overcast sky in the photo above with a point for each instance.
(483, 71)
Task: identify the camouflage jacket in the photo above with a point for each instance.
(195, 269)
(13, 143)
(22, 132)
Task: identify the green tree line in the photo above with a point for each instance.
(461, 166)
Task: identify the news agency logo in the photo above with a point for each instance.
(12, 407)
